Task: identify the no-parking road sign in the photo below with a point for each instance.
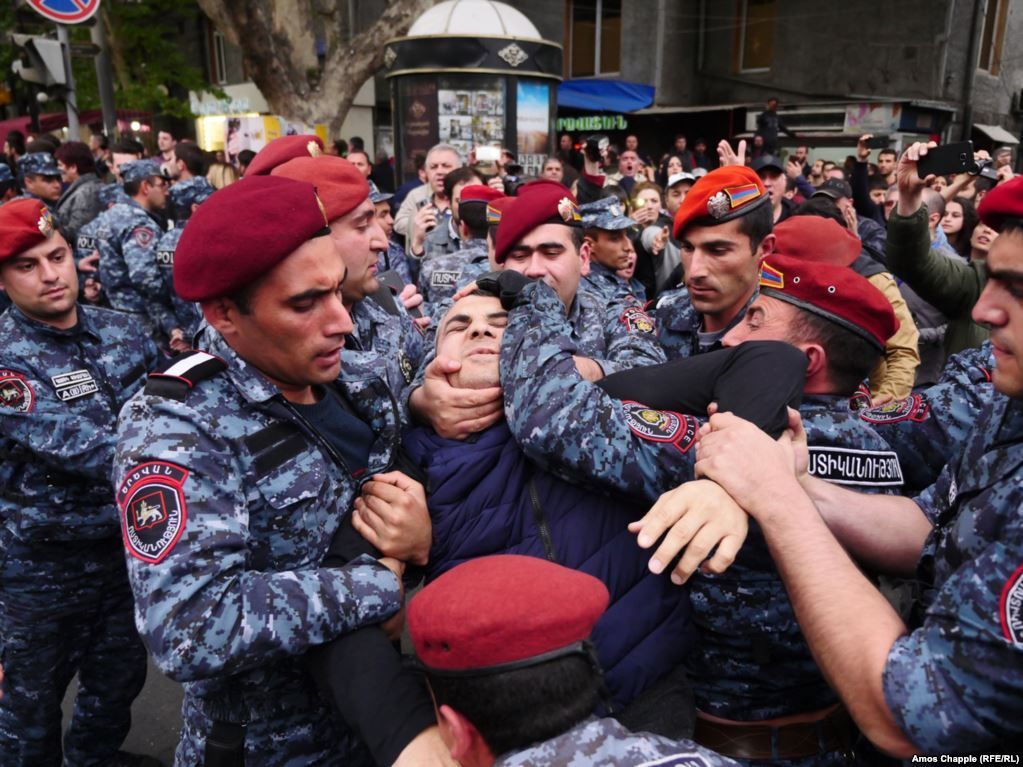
(66, 11)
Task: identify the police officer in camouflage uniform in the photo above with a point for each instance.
(382, 332)
(927, 429)
(65, 603)
(128, 269)
(724, 230)
(236, 465)
(607, 234)
(753, 674)
(185, 197)
(951, 681)
(440, 275)
(40, 177)
(505, 642)
(540, 235)
(87, 245)
(393, 259)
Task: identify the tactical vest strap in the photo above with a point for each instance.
(176, 377)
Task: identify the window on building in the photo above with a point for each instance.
(756, 35)
(595, 37)
(994, 35)
(219, 56)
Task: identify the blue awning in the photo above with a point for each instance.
(605, 95)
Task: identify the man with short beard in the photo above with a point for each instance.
(377, 333)
(238, 463)
(65, 605)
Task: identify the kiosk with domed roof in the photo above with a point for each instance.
(473, 73)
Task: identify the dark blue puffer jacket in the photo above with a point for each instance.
(479, 501)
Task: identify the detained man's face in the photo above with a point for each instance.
(471, 333)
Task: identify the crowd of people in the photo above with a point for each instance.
(702, 458)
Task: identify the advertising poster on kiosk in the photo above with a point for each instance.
(470, 117)
(533, 104)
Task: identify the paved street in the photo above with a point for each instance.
(156, 717)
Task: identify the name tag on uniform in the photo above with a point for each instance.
(77, 383)
(844, 466)
(86, 243)
(444, 279)
(165, 258)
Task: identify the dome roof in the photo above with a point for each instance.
(482, 18)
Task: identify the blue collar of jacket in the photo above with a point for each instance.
(84, 326)
(252, 384)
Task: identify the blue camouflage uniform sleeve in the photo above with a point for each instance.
(956, 683)
(40, 425)
(571, 426)
(201, 607)
(631, 338)
(139, 251)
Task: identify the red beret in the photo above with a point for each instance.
(836, 293)
(242, 232)
(340, 185)
(23, 224)
(539, 202)
(1002, 202)
(479, 193)
(720, 196)
(502, 609)
(821, 240)
(282, 149)
(496, 209)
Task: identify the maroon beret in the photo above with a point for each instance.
(836, 293)
(722, 195)
(478, 193)
(242, 232)
(496, 209)
(340, 185)
(502, 609)
(821, 240)
(282, 149)
(1002, 202)
(24, 223)
(539, 202)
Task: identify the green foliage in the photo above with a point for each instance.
(152, 68)
(156, 74)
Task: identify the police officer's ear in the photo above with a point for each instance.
(816, 360)
(462, 738)
(768, 246)
(585, 251)
(222, 314)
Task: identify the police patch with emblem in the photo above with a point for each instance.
(914, 408)
(846, 466)
(15, 392)
(153, 511)
(77, 383)
(443, 279)
(142, 236)
(165, 259)
(1010, 607)
(664, 426)
(637, 320)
